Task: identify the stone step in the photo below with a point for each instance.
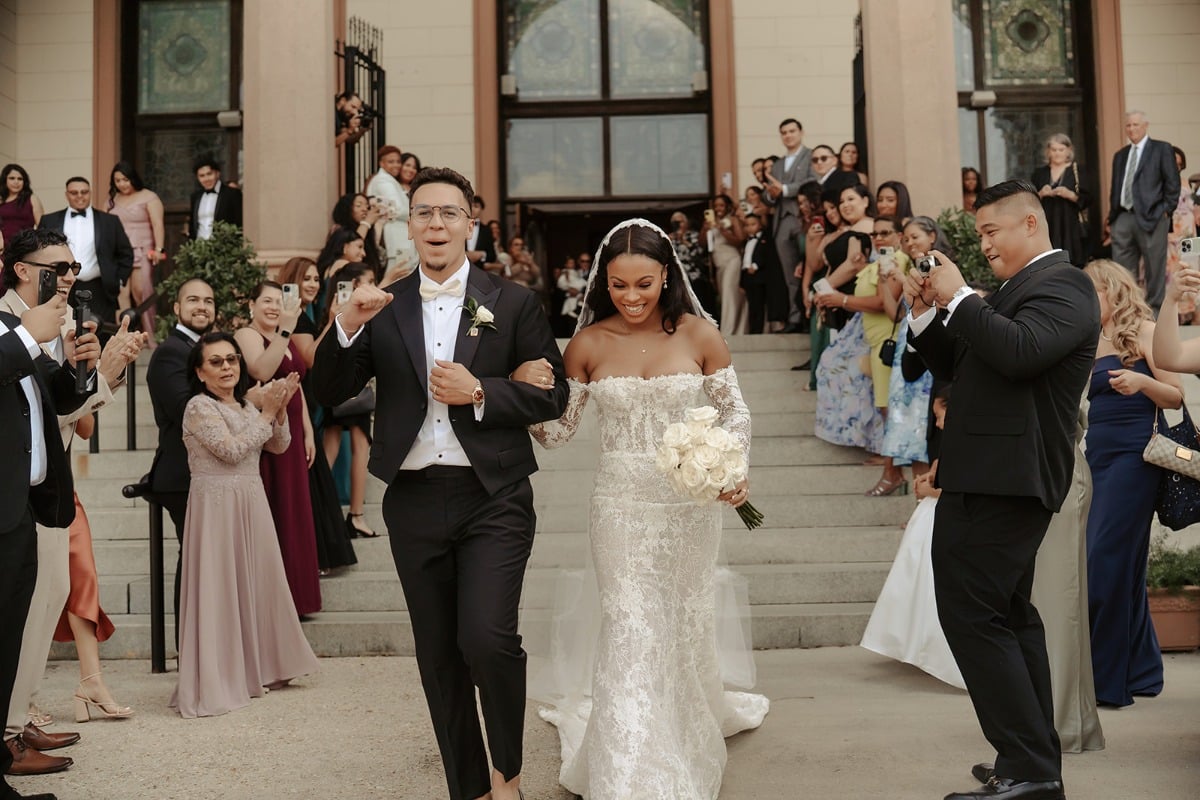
(361, 633)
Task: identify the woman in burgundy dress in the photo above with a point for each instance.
(270, 354)
(20, 208)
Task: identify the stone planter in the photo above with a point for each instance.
(1176, 617)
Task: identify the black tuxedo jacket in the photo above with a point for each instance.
(113, 251)
(392, 349)
(229, 208)
(1019, 362)
(1155, 184)
(485, 243)
(53, 500)
(170, 389)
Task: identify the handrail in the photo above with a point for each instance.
(158, 615)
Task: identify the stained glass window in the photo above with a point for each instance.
(184, 56)
(168, 155)
(655, 47)
(1028, 42)
(659, 155)
(561, 157)
(553, 48)
(1016, 138)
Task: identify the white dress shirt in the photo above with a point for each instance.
(748, 254)
(81, 236)
(37, 456)
(188, 332)
(206, 211)
(436, 443)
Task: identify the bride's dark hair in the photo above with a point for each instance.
(638, 240)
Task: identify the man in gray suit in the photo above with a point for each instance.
(782, 184)
(1145, 190)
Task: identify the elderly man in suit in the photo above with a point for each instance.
(213, 202)
(170, 387)
(1019, 362)
(1145, 191)
(99, 244)
(450, 442)
(781, 185)
(34, 389)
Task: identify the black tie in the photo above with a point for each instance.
(78, 213)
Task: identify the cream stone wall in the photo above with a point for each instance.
(1159, 42)
(46, 91)
(793, 58)
(427, 52)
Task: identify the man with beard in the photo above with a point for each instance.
(170, 390)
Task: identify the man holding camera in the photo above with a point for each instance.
(353, 121)
(1019, 362)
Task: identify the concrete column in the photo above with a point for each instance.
(290, 180)
(912, 123)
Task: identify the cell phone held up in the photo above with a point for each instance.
(47, 285)
(344, 290)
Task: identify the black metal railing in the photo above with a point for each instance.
(362, 74)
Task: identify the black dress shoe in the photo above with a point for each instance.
(804, 366)
(9, 793)
(791, 327)
(1007, 789)
(983, 772)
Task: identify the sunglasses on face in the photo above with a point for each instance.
(230, 360)
(819, 159)
(60, 267)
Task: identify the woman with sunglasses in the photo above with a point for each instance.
(239, 634)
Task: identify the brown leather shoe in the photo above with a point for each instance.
(38, 739)
(27, 761)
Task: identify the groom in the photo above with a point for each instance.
(450, 442)
(1019, 362)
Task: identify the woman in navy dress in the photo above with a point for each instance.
(1126, 392)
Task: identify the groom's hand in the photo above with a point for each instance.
(364, 304)
(451, 383)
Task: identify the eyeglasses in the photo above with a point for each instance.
(819, 159)
(230, 360)
(60, 267)
(423, 215)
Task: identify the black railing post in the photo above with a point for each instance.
(130, 407)
(158, 616)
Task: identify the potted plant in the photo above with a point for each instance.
(1173, 580)
(959, 227)
(228, 263)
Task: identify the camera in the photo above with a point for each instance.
(366, 116)
(926, 263)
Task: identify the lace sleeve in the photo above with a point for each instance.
(203, 421)
(557, 432)
(281, 438)
(722, 389)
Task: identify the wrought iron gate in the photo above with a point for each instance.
(362, 74)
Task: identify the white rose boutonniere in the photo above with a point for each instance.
(481, 316)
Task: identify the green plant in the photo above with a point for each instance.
(227, 261)
(1171, 568)
(959, 227)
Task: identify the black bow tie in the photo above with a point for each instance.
(210, 191)
(78, 213)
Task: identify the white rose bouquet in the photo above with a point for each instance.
(702, 460)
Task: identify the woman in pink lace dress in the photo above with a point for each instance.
(141, 213)
(239, 634)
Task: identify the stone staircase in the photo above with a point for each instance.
(813, 570)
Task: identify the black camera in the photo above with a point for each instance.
(367, 116)
(926, 263)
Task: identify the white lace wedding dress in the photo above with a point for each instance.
(651, 723)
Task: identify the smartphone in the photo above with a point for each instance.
(291, 293)
(887, 260)
(822, 286)
(710, 217)
(745, 206)
(47, 285)
(818, 219)
(344, 290)
(1190, 247)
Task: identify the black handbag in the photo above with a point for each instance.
(1178, 502)
(361, 403)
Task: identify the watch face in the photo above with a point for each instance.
(477, 395)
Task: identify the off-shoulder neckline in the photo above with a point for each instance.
(598, 381)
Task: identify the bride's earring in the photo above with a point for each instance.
(664, 283)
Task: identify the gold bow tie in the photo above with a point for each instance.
(430, 291)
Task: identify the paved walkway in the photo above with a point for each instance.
(844, 723)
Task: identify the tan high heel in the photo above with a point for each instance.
(84, 704)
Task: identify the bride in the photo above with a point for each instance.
(652, 722)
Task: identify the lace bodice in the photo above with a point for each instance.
(224, 440)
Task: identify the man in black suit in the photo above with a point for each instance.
(761, 277)
(38, 487)
(782, 182)
(481, 250)
(450, 442)
(99, 244)
(1145, 190)
(170, 389)
(212, 202)
(1019, 362)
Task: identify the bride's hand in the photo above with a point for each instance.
(737, 495)
(537, 373)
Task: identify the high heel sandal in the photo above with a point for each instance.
(84, 704)
(356, 531)
(885, 488)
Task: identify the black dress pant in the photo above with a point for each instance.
(18, 574)
(984, 547)
(461, 557)
(756, 305)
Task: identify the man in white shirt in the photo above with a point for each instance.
(213, 202)
(451, 442)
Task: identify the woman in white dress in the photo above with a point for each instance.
(653, 721)
(389, 188)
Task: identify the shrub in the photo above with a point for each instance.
(1171, 568)
(959, 227)
(227, 261)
